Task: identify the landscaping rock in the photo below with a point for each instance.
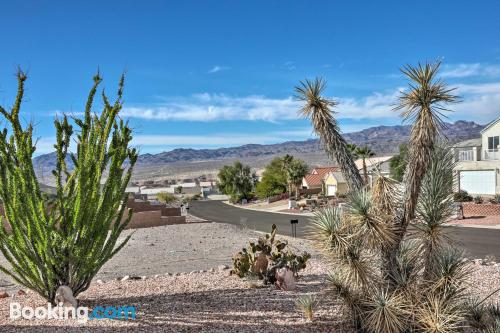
(3, 294)
(125, 278)
(21, 292)
(222, 267)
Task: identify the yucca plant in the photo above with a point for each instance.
(319, 110)
(307, 304)
(391, 280)
(67, 241)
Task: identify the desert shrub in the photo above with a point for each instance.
(166, 197)
(462, 196)
(495, 200)
(307, 304)
(67, 242)
(264, 258)
(478, 199)
(387, 279)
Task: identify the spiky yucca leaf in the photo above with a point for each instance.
(435, 205)
(476, 313)
(370, 223)
(342, 287)
(319, 110)
(437, 315)
(493, 328)
(385, 312)
(494, 310)
(404, 274)
(386, 195)
(448, 273)
(330, 230)
(359, 266)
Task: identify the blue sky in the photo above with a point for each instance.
(206, 74)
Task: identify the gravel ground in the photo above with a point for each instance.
(201, 301)
(175, 249)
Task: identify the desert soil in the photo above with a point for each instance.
(203, 297)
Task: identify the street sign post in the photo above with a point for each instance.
(294, 227)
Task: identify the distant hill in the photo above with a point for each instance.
(384, 140)
(381, 139)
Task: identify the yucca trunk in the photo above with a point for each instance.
(421, 146)
(336, 148)
(317, 108)
(365, 171)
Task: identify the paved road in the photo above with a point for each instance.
(477, 241)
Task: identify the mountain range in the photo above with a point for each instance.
(383, 140)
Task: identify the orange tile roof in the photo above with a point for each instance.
(316, 176)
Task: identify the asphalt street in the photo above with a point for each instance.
(478, 242)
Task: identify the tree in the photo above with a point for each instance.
(296, 170)
(364, 153)
(352, 149)
(67, 242)
(178, 189)
(287, 162)
(273, 181)
(398, 162)
(318, 109)
(237, 181)
(391, 281)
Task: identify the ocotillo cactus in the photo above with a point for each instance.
(67, 242)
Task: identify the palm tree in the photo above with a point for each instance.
(287, 161)
(364, 153)
(296, 171)
(319, 110)
(352, 148)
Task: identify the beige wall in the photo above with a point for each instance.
(492, 131)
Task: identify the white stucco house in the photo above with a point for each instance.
(478, 162)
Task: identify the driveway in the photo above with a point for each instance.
(478, 242)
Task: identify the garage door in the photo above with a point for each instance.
(478, 182)
(331, 190)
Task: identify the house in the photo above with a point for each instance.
(375, 165)
(478, 162)
(314, 179)
(332, 182)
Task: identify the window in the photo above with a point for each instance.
(493, 142)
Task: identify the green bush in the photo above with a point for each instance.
(462, 196)
(478, 199)
(495, 200)
(68, 241)
(166, 197)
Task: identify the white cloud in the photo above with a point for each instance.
(470, 70)
(213, 107)
(217, 68)
(481, 102)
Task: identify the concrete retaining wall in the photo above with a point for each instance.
(153, 219)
